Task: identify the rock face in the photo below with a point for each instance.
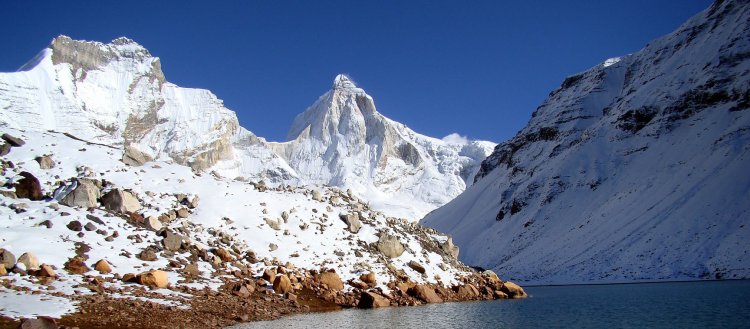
(28, 187)
(390, 246)
(640, 153)
(332, 280)
(120, 201)
(370, 299)
(155, 278)
(84, 195)
(352, 222)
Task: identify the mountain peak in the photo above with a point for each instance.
(343, 82)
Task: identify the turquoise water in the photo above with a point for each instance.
(712, 304)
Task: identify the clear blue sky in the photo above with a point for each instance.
(478, 68)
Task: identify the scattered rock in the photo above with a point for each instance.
(183, 213)
(47, 271)
(8, 259)
(155, 278)
(332, 280)
(13, 141)
(76, 265)
(425, 293)
(29, 260)
(269, 274)
(75, 226)
(352, 222)
(282, 285)
(417, 267)
(224, 255)
(390, 246)
(284, 216)
(120, 201)
(317, 196)
(89, 227)
(194, 202)
(272, 246)
(84, 195)
(8, 194)
(4, 149)
(45, 162)
(274, 224)
(153, 223)
(370, 299)
(134, 157)
(368, 278)
(173, 241)
(241, 291)
(147, 255)
(102, 266)
(28, 187)
(191, 270)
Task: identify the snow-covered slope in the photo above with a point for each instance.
(117, 95)
(342, 140)
(633, 170)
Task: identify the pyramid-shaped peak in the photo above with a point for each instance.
(342, 81)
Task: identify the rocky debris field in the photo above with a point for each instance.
(88, 241)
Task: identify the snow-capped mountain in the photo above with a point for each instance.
(633, 170)
(116, 94)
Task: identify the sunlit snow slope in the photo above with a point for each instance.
(636, 169)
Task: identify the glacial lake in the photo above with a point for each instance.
(707, 304)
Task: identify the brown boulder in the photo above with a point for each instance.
(41, 322)
(191, 270)
(269, 274)
(103, 267)
(332, 280)
(3, 271)
(417, 267)
(368, 278)
(4, 149)
(76, 265)
(29, 260)
(46, 271)
(282, 284)
(28, 187)
(468, 291)
(45, 162)
(13, 141)
(223, 254)
(425, 293)
(7, 258)
(513, 290)
(154, 278)
(370, 299)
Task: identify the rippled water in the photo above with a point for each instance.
(715, 304)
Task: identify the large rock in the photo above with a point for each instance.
(45, 162)
(29, 260)
(41, 322)
(120, 201)
(390, 246)
(7, 259)
(103, 266)
(417, 267)
(282, 285)
(449, 248)
(4, 149)
(352, 222)
(155, 278)
(425, 293)
(153, 223)
(332, 280)
(370, 299)
(47, 271)
(85, 195)
(173, 241)
(317, 196)
(273, 223)
(467, 291)
(28, 187)
(368, 278)
(513, 290)
(13, 141)
(134, 157)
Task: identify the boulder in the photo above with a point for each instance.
(45, 162)
(272, 223)
(28, 187)
(500, 295)
(154, 278)
(241, 291)
(89, 227)
(4, 149)
(468, 291)
(41, 322)
(75, 225)
(84, 195)
(3, 271)
(153, 223)
(7, 259)
(47, 271)
(224, 255)
(369, 299)
(417, 267)
(183, 213)
(390, 246)
(282, 285)
(368, 278)
(29, 260)
(13, 141)
(120, 201)
(76, 265)
(269, 274)
(134, 157)
(425, 293)
(191, 270)
(449, 248)
(284, 216)
(148, 255)
(332, 280)
(173, 241)
(8, 194)
(352, 222)
(194, 202)
(317, 196)
(103, 267)
(513, 290)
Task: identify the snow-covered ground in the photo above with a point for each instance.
(232, 214)
(634, 170)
